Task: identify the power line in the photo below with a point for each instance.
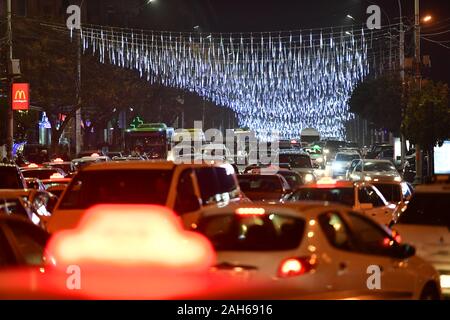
(436, 42)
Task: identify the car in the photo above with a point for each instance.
(376, 149)
(330, 148)
(342, 162)
(316, 246)
(22, 243)
(66, 166)
(216, 152)
(42, 173)
(293, 178)
(38, 204)
(79, 163)
(11, 177)
(360, 196)
(300, 162)
(426, 224)
(35, 183)
(317, 156)
(375, 171)
(186, 188)
(264, 187)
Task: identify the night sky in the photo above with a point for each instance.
(274, 15)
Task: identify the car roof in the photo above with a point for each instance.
(302, 209)
(376, 161)
(144, 165)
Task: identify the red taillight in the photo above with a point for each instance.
(296, 266)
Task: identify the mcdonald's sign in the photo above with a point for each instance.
(21, 96)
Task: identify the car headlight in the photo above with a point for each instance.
(355, 177)
(367, 179)
(319, 160)
(326, 151)
(309, 178)
(445, 281)
(398, 179)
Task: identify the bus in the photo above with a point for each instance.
(151, 140)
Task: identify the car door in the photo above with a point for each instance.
(353, 257)
(372, 203)
(375, 246)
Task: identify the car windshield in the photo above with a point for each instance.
(270, 232)
(347, 157)
(391, 192)
(341, 195)
(117, 187)
(427, 209)
(42, 174)
(379, 167)
(260, 183)
(9, 178)
(296, 160)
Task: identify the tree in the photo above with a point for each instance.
(427, 116)
(379, 101)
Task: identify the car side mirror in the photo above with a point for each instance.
(366, 206)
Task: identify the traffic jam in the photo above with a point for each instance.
(176, 220)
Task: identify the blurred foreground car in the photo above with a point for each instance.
(426, 224)
(21, 243)
(360, 196)
(316, 246)
(185, 188)
(38, 204)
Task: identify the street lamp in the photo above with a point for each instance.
(350, 17)
(427, 18)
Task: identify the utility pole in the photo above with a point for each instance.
(402, 77)
(417, 60)
(10, 119)
(78, 136)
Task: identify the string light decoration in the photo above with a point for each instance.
(273, 81)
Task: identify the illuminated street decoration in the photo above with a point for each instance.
(137, 121)
(286, 81)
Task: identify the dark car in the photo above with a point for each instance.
(21, 243)
(11, 177)
(262, 187)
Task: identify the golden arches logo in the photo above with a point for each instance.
(20, 95)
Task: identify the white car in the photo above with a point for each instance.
(426, 224)
(374, 171)
(186, 188)
(316, 247)
(361, 196)
(342, 162)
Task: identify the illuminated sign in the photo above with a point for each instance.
(20, 96)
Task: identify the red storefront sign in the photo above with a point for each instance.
(21, 96)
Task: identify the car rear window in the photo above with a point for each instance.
(429, 209)
(341, 195)
(9, 178)
(347, 157)
(117, 187)
(270, 232)
(260, 183)
(12, 207)
(296, 160)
